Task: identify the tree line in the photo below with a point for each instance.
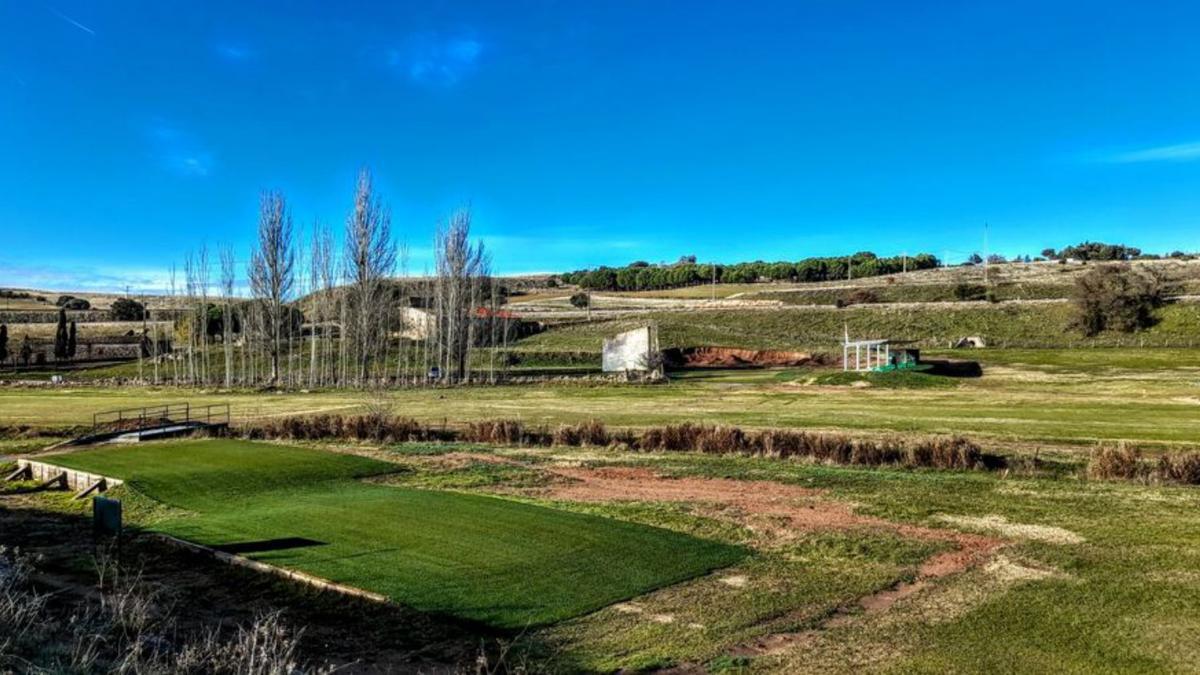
(687, 272)
(322, 312)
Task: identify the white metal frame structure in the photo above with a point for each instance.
(868, 354)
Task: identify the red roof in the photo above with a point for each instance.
(499, 314)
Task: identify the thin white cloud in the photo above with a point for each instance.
(84, 278)
(178, 151)
(436, 60)
(1182, 152)
(71, 21)
(233, 53)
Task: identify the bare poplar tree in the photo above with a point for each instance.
(320, 274)
(189, 283)
(369, 259)
(461, 265)
(174, 312)
(272, 271)
(202, 283)
(228, 281)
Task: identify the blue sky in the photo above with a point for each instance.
(585, 133)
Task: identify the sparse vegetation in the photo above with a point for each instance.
(1116, 297)
(125, 625)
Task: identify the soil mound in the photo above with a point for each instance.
(728, 357)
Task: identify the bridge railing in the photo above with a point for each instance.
(157, 415)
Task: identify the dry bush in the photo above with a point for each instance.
(1120, 462)
(954, 452)
(921, 452)
(505, 432)
(592, 432)
(20, 607)
(378, 427)
(567, 435)
(931, 452)
(720, 440)
(1183, 469)
(127, 628)
(677, 437)
(266, 647)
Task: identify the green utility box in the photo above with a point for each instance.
(106, 516)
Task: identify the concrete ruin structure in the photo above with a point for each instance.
(632, 351)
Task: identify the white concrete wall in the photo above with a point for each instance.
(630, 350)
(76, 480)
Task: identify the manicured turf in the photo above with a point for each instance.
(503, 563)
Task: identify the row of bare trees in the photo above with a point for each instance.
(317, 316)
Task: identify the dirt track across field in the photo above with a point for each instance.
(779, 512)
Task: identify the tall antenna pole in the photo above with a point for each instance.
(986, 256)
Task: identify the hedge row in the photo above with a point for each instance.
(926, 451)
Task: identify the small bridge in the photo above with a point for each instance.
(154, 422)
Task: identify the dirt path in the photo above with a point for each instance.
(780, 512)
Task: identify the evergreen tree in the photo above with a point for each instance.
(3, 343)
(71, 344)
(60, 336)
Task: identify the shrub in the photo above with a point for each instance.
(1180, 468)
(859, 296)
(1120, 462)
(964, 291)
(1116, 297)
(505, 432)
(125, 309)
(581, 300)
(72, 302)
(921, 452)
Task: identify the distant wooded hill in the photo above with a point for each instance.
(644, 276)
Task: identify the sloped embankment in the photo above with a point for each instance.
(729, 357)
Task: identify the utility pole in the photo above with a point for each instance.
(713, 268)
(904, 257)
(986, 256)
(849, 268)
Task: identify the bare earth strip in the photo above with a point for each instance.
(778, 511)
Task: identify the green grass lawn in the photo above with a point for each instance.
(503, 563)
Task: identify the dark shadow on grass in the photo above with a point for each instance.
(263, 545)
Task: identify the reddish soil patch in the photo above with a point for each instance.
(727, 357)
(787, 508)
(778, 510)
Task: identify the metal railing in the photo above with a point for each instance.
(158, 415)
